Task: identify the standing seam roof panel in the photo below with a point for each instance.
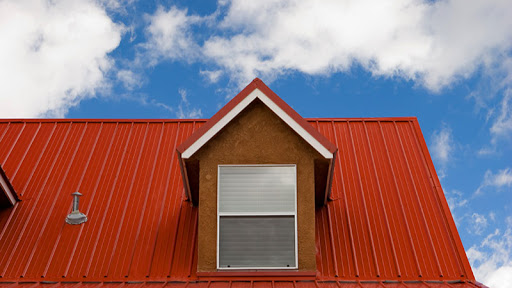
(386, 218)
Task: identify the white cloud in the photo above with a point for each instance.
(116, 5)
(144, 100)
(129, 79)
(455, 199)
(211, 76)
(442, 146)
(194, 113)
(487, 150)
(492, 259)
(170, 36)
(432, 43)
(502, 126)
(183, 95)
(478, 224)
(503, 178)
(492, 216)
(53, 54)
(184, 111)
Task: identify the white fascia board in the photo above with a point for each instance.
(241, 106)
(295, 126)
(8, 193)
(218, 126)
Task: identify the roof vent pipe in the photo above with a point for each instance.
(76, 217)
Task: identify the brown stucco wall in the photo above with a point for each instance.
(256, 136)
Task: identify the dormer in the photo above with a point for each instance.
(256, 170)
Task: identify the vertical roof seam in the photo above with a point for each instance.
(34, 167)
(400, 200)
(356, 266)
(107, 207)
(95, 189)
(36, 200)
(55, 199)
(25, 153)
(180, 203)
(148, 271)
(5, 131)
(429, 183)
(417, 199)
(431, 188)
(382, 202)
(193, 247)
(363, 198)
(172, 256)
(14, 143)
(150, 185)
(466, 268)
(331, 238)
(337, 161)
(128, 198)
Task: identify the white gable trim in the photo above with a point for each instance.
(239, 108)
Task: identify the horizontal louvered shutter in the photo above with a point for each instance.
(257, 189)
(257, 241)
(257, 210)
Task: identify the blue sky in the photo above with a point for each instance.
(449, 63)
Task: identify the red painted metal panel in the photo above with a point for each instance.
(387, 218)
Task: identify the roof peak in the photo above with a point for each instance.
(257, 89)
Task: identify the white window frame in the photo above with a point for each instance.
(219, 214)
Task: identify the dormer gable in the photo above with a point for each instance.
(259, 92)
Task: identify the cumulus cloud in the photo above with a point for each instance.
(56, 56)
(499, 180)
(442, 146)
(492, 259)
(170, 36)
(432, 43)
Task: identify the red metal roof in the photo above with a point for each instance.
(388, 219)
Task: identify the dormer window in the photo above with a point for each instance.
(256, 170)
(257, 217)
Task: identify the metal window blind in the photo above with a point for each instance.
(257, 213)
(257, 189)
(257, 241)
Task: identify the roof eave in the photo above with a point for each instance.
(7, 187)
(184, 176)
(330, 177)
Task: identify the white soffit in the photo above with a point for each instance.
(239, 108)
